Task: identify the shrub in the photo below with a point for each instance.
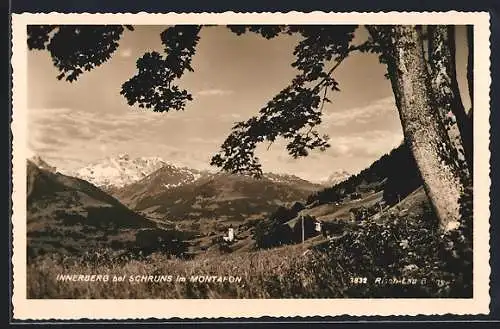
(404, 247)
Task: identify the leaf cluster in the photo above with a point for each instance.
(153, 86)
(76, 48)
(294, 113)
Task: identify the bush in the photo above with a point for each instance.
(151, 240)
(411, 247)
(268, 234)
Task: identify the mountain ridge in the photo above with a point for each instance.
(118, 171)
(168, 192)
(115, 172)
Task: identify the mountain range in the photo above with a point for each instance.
(164, 191)
(115, 172)
(134, 195)
(176, 194)
(122, 170)
(193, 209)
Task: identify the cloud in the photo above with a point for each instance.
(71, 138)
(214, 92)
(369, 144)
(361, 115)
(366, 131)
(352, 152)
(203, 141)
(57, 133)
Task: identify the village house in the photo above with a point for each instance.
(304, 227)
(230, 235)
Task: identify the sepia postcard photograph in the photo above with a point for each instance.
(247, 165)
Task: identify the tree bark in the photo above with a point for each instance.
(423, 129)
(445, 89)
(470, 66)
(470, 80)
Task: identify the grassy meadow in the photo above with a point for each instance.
(349, 266)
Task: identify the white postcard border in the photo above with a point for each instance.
(62, 309)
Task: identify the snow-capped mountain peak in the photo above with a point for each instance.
(120, 170)
(41, 163)
(284, 178)
(336, 177)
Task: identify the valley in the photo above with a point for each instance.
(72, 216)
(271, 232)
(144, 204)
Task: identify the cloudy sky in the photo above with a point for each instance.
(73, 124)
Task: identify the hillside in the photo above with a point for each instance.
(368, 195)
(40, 163)
(395, 173)
(178, 195)
(69, 215)
(165, 178)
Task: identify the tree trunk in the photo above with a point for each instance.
(470, 80)
(446, 92)
(424, 131)
(470, 66)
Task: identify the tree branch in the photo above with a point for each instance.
(319, 84)
(337, 64)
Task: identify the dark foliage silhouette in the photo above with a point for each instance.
(76, 48)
